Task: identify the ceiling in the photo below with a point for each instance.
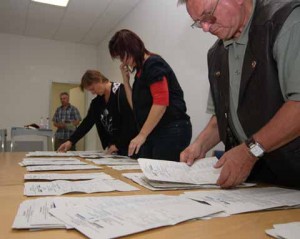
(82, 21)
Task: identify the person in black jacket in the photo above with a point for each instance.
(111, 113)
(156, 98)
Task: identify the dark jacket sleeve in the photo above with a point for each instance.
(85, 126)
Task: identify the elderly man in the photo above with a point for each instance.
(254, 70)
(66, 119)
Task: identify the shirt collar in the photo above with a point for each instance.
(243, 39)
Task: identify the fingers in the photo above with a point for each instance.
(133, 148)
(62, 149)
(220, 162)
(187, 156)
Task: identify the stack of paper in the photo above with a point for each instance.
(60, 187)
(125, 167)
(59, 176)
(248, 200)
(168, 175)
(60, 167)
(114, 161)
(49, 154)
(50, 161)
(109, 217)
(201, 172)
(140, 179)
(285, 231)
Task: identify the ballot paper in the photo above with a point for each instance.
(49, 154)
(119, 216)
(285, 231)
(33, 214)
(52, 162)
(201, 172)
(247, 200)
(125, 167)
(114, 161)
(60, 187)
(60, 167)
(91, 155)
(56, 159)
(59, 176)
(140, 179)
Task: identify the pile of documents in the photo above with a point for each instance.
(109, 217)
(248, 200)
(59, 187)
(285, 231)
(168, 175)
(55, 163)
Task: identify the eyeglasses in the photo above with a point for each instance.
(206, 17)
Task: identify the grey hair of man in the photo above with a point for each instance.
(180, 2)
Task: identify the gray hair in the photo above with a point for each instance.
(180, 2)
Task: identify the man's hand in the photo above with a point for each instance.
(191, 153)
(236, 164)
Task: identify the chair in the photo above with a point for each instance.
(3, 139)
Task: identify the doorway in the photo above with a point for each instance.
(77, 98)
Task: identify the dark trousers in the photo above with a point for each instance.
(167, 142)
(58, 142)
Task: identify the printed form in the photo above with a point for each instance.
(61, 176)
(60, 187)
(201, 172)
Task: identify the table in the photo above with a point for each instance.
(3, 139)
(248, 225)
(19, 131)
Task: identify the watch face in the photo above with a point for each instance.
(256, 150)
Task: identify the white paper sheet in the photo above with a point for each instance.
(49, 154)
(60, 187)
(33, 214)
(285, 231)
(61, 168)
(125, 167)
(120, 217)
(140, 179)
(59, 176)
(201, 172)
(248, 200)
(33, 159)
(51, 162)
(114, 161)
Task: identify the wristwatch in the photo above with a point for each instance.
(255, 148)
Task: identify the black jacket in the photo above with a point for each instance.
(114, 120)
(154, 69)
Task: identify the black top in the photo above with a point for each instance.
(154, 69)
(114, 120)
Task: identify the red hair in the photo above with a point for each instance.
(126, 43)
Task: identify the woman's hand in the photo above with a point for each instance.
(65, 147)
(125, 73)
(135, 144)
(112, 149)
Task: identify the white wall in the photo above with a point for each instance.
(28, 66)
(165, 29)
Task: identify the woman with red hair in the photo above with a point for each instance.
(156, 98)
